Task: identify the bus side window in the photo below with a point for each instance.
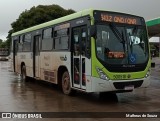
(47, 40)
(27, 42)
(61, 39)
(20, 44)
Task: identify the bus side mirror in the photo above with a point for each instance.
(93, 30)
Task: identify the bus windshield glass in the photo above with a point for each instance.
(122, 44)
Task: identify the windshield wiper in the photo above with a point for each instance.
(119, 36)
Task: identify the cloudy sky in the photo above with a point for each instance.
(11, 9)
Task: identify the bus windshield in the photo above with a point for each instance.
(117, 44)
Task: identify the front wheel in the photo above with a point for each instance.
(66, 86)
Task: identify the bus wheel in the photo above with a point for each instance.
(66, 86)
(23, 73)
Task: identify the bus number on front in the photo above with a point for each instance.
(119, 76)
(106, 17)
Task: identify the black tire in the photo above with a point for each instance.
(23, 73)
(66, 86)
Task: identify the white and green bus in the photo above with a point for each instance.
(90, 51)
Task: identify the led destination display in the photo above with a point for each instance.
(118, 18)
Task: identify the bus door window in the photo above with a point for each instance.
(76, 43)
(79, 51)
(76, 52)
(83, 53)
(15, 47)
(80, 38)
(37, 45)
(83, 72)
(36, 53)
(76, 71)
(83, 41)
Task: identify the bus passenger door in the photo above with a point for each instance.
(15, 58)
(79, 60)
(36, 54)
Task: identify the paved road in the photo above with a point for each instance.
(19, 96)
(155, 72)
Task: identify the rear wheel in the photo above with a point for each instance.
(66, 86)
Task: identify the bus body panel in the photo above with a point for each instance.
(11, 62)
(26, 58)
(50, 63)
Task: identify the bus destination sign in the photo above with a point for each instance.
(118, 18)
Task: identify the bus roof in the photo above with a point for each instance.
(56, 21)
(59, 20)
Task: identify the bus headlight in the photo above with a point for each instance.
(102, 75)
(148, 74)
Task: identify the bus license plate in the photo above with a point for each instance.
(131, 87)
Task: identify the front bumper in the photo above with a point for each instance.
(99, 85)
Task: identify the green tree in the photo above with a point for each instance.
(3, 45)
(1, 41)
(37, 15)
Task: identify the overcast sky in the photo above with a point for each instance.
(11, 9)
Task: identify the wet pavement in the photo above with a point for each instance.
(32, 96)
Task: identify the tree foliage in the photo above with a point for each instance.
(37, 15)
(1, 41)
(3, 44)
